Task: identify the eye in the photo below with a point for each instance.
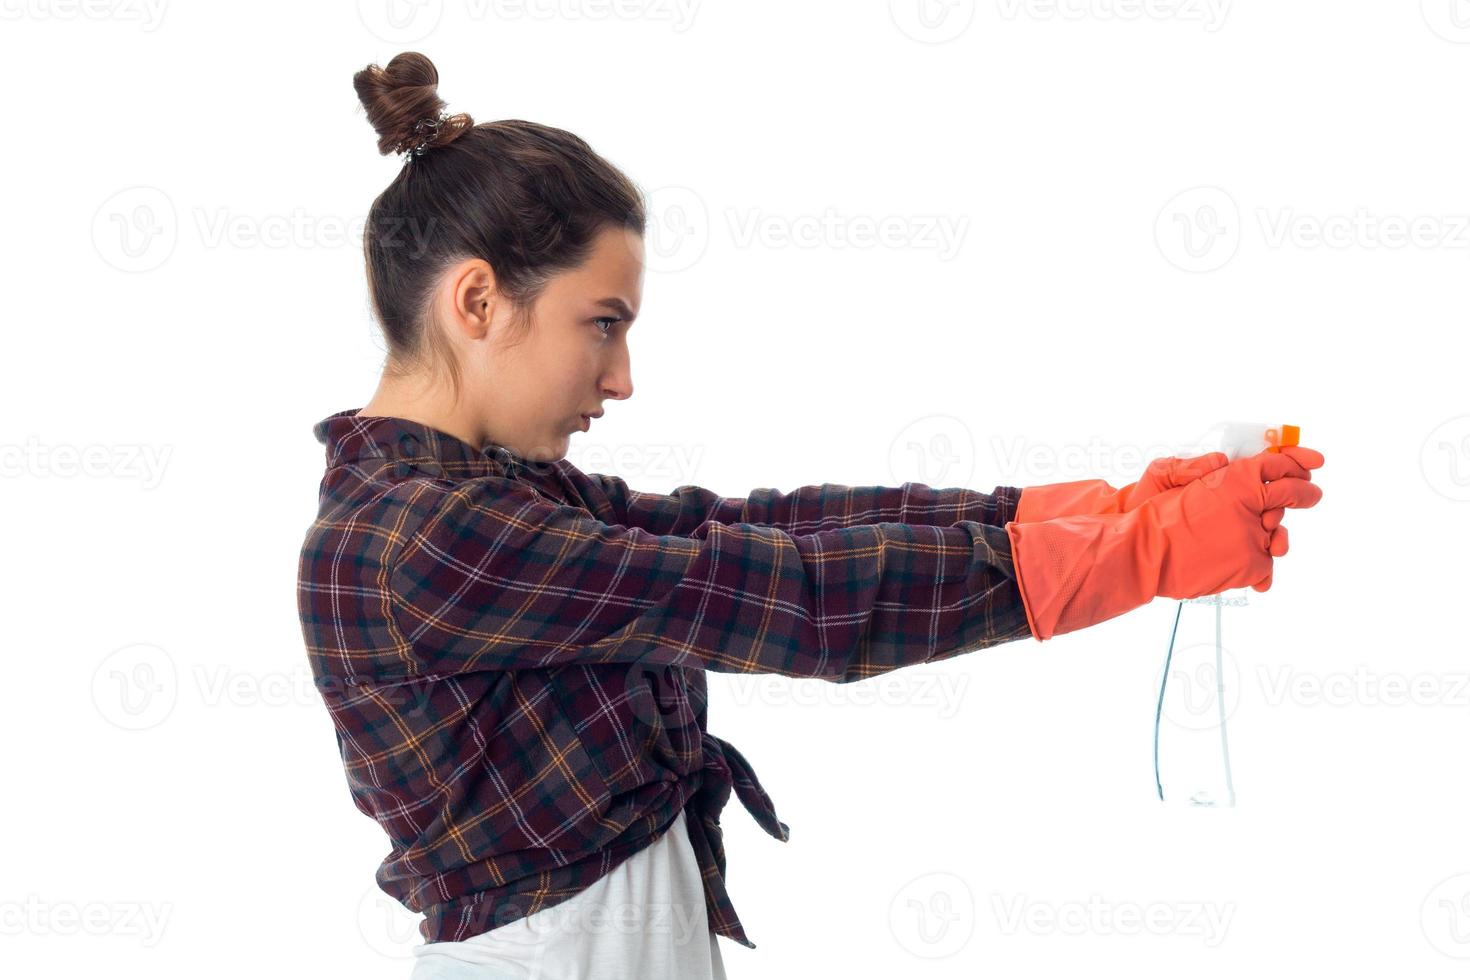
(610, 320)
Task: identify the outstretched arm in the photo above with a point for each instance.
(805, 510)
(496, 577)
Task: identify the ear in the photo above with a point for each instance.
(472, 298)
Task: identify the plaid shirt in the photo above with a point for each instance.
(513, 652)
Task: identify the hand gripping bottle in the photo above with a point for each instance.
(1196, 766)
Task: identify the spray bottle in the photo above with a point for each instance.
(1197, 754)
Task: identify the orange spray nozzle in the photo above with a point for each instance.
(1287, 435)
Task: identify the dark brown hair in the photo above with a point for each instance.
(528, 199)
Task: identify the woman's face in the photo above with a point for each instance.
(531, 395)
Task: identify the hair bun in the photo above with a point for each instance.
(403, 104)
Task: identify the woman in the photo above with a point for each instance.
(513, 651)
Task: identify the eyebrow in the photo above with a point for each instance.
(613, 303)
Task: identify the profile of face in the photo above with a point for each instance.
(529, 392)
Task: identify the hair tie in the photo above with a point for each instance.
(426, 129)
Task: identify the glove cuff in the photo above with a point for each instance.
(1049, 500)
(1073, 572)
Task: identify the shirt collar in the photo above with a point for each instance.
(349, 437)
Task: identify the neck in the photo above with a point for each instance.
(424, 402)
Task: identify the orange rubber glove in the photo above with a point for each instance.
(1047, 500)
(1220, 531)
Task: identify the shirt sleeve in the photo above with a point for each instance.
(498, 577)
(804, 510)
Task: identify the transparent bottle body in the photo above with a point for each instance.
(1198, 694)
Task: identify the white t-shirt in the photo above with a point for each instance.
(645, 919)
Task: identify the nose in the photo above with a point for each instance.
(617, 384)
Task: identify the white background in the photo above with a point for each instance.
(1109, 224)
